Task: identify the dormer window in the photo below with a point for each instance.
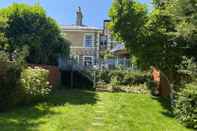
(89, 41)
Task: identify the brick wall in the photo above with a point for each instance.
(162, 84)
(54, 73)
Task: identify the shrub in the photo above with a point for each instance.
(139, 89)
(187, 70)
(117, 77)
(35, 84)
(129, 77)
(103, 75)
(123, 77)
(186, 105)
(132, 78)
(115, 80)
(10, 91)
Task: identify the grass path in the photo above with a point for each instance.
(75, 110)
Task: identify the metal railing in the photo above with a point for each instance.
(71, 64)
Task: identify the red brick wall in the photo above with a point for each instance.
(162, 84)
(54, 73)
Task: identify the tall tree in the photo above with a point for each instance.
(185, 14)
(29, 26)
(152, 37)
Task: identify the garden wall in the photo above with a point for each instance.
(54, 73)
(162, 83)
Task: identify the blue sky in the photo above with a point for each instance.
(63, 11)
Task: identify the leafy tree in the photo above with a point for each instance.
(185, 14)
(143, 34)
(152, 38)
(3, 39)
(127, 19)
(165, 38)
(29, 26)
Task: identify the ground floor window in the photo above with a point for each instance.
(88, 60)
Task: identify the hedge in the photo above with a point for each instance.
(186, 105)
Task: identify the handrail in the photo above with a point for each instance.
(72, 64)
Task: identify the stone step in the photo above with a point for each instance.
(100, 111)
(97, 124)
(99, 118)
(100, 103)
(100, 107)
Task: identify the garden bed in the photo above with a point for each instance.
(138, 89)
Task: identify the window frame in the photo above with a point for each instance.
(93, 40)
(92, 60)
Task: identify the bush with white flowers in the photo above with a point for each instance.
(35, 84)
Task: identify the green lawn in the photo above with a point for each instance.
(75, 110)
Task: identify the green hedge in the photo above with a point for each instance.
(18, 85)
(10, 91)
(186, 105)
(122, 77)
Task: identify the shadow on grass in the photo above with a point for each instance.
(27, 118)
(165, 103)
(23, 118)
(73, 97)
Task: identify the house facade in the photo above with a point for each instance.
(88, 44)
(84, 41)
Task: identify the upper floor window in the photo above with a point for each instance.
(89, 40)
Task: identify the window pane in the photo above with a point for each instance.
(88, 41)
(87, 61)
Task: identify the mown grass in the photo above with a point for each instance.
(75, 110)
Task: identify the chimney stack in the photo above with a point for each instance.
(79, 20)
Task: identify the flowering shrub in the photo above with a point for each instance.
(35, 83)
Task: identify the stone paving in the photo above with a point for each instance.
(99, 117)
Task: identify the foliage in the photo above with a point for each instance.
(138, 89)
(186, 105)
(10, 91)
(157, 38)
(35, 84)
(187, 70)
(122, 77)
(108, 55)
(115, 80)
(103, 76)
(3, 39)
(18, 84)
(127, 19)
(185, 14)
(132, 78)
(29, 26)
